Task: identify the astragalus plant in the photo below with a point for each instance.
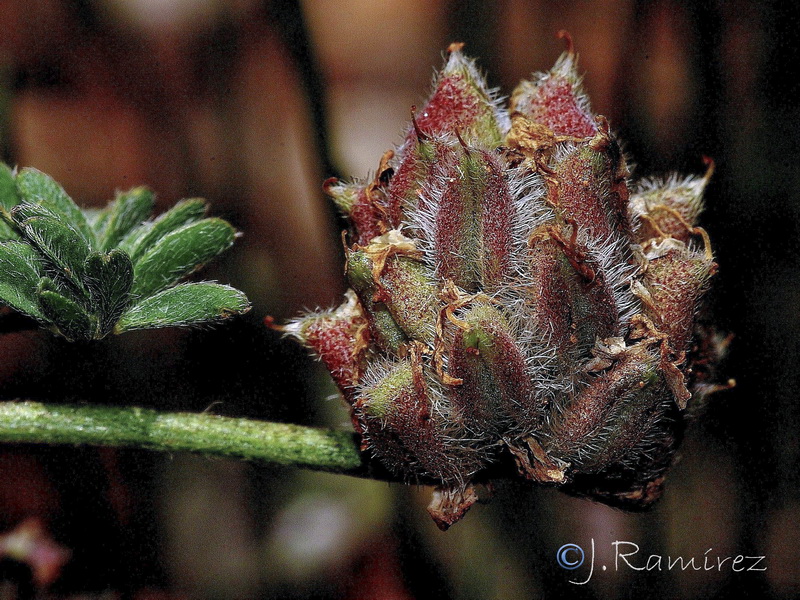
(516, 300)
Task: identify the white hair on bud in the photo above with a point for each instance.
(540, 356)
(528, 194)
(457, 61)
(566, 67)
(682, 193)
(465, 452)
(349, 309)
(526, 191)
(421, 218)
(613, 257)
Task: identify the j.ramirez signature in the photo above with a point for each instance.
(626, 555)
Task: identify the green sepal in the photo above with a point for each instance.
(496, 387)
(67, 315)
(380, 400)
(141, 239)
(126, 212)
(19, 278)
(109, 278)
(60, 243)
(385, 331)
(179, 253)
(183, 305)
(35, 187)
(410, 295)
(8, 200)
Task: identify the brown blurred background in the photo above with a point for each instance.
(251, 104)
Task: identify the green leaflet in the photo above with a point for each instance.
(131, 241)
(8, 188)
(185, 304)
(6, 231)
(126, 212)
(179, 253)
(141, 239)
(8, 200)
(60, 243)
(109, 278)
(384, 329)
(19, 276)
(70, 319)
(36, 187)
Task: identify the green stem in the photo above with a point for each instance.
(306, 447)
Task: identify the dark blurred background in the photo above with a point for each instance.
(251, 104)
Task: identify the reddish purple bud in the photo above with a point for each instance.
(356, 202)
(668, 207)
(413, 175)
(470, 221)
(556, 100)
(457, 235)
(570, 301)
(588, 187)
(673, 283)
(339, 338)
(462, 102)
(496, 392)
(611, 415)
(405, 419)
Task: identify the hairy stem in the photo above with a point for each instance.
(211, 435)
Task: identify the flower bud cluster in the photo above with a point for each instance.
(515, 299)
